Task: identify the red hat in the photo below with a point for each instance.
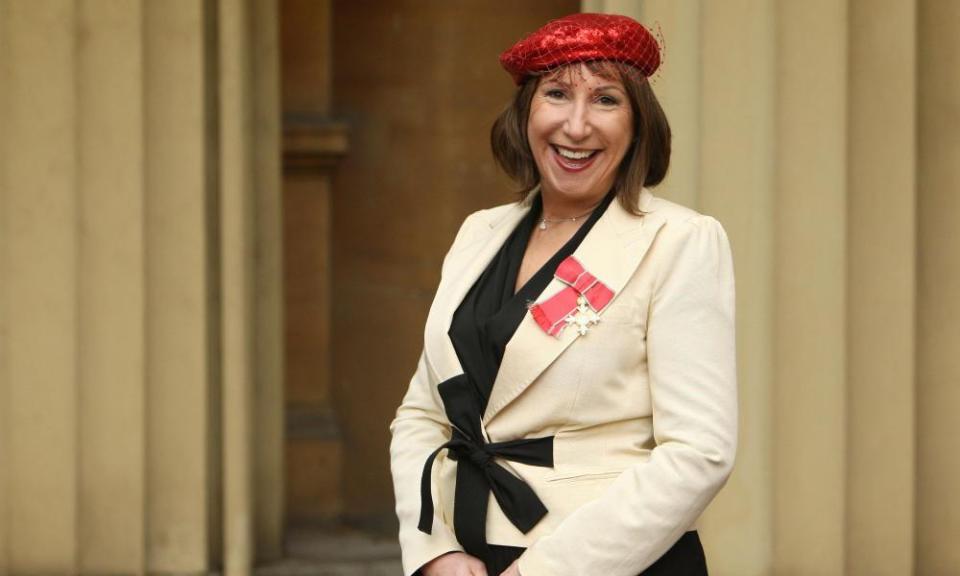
(581, 38)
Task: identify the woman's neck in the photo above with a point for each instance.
(557, 207)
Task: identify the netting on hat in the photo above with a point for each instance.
(581, 38)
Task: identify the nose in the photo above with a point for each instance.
(577, 125)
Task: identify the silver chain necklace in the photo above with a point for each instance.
(545, 221)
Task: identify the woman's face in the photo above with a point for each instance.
(579, 129)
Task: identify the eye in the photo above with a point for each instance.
(554, 93)
(607, 100)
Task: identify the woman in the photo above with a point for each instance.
(574, 409)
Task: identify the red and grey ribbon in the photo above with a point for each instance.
(552, 313)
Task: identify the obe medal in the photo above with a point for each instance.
(583, 317)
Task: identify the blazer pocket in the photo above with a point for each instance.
(571, 477)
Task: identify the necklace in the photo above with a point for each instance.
(545, 221)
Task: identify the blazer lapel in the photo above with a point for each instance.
(611, 251)
(464, 267)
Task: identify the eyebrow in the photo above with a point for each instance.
(609, 87)
(600, 88)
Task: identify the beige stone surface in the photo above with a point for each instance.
(4, 322)
(41, 285)
(810, 406)
(181, 294)
(111, 288)
(678, 83)
(881, 273)
(736, 185)
(126, 224)
(938, 288)
(236, 235)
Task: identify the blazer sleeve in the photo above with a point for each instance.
(420, 426)
(691, 359)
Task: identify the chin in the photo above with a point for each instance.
(577, 192)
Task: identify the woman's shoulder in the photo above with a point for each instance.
(483, 220)
(477, 225)
(494, 214)
(676, 214)
(685, 230)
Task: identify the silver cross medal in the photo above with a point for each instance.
(583, 317)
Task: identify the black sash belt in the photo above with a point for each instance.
(478, 474)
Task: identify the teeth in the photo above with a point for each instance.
(574, 155)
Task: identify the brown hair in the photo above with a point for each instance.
(645, 162)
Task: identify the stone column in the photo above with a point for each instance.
(40, 261)
(678, 85)
(251, 287)
(881, 272)
(130, 261)
(809, 402)
(181, 302)
(236, 256)
(110, 152)
(938, 288)
(4, 321)
(736, 185)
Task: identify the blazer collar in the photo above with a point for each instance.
(466, 265)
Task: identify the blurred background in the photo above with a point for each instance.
(222, 222)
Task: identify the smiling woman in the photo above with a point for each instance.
(617, 88)
(574, 409)
(579, 130)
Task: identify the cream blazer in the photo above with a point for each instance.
(643, 407)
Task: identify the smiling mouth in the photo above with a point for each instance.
(573, 160)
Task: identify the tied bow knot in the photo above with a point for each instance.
(520, 504)
(462, 446)
(479, 456)
(582, 289)
(478, 473)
